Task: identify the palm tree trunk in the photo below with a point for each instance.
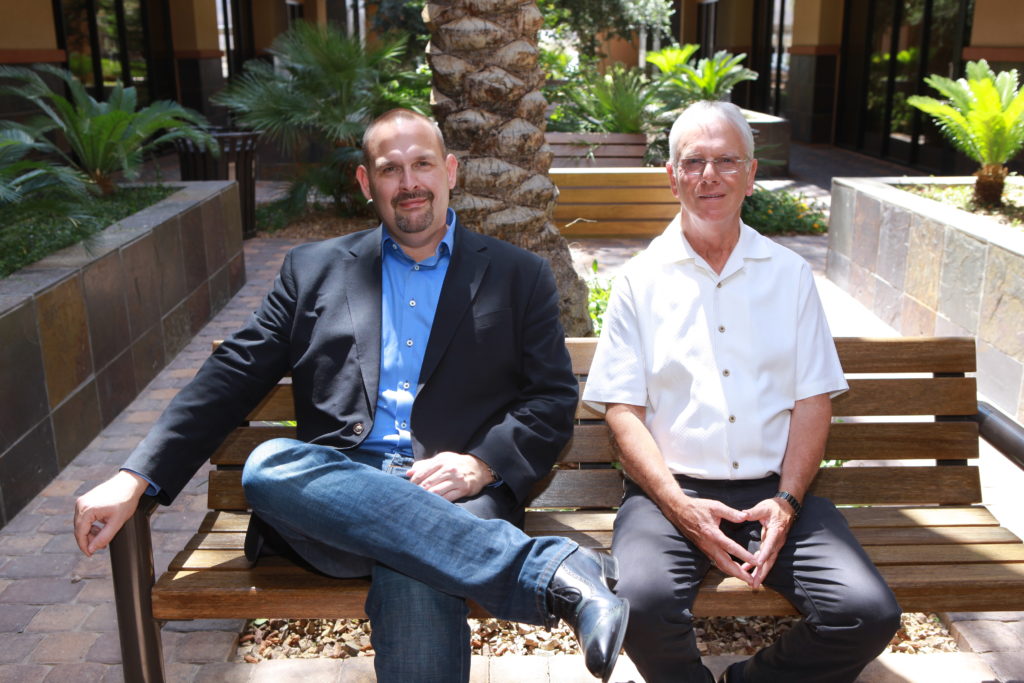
(488, 102)
(988, 188)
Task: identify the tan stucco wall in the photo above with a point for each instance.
(997, 23)
(194, 25)
(269, 20)
(817, 22)
(27, 26)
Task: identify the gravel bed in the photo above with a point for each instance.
(312, 638)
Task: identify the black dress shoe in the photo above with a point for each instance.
(579, 595)
(731, 673)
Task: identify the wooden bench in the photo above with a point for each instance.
(605, 202)
(587, 150)
(910, 414)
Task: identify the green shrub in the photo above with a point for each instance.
(50, 220)
(780, 212)
(600, 290)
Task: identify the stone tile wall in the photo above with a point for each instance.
(927, 269)
(84, 330)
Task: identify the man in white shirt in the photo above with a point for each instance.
(716, 368)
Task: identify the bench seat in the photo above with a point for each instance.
(908, 431)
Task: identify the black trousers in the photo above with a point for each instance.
(850, 614)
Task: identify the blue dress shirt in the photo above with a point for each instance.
(409, 296)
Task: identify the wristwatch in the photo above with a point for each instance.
(791, 499)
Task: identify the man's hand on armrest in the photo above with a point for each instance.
(102, 511)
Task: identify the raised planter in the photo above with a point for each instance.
(771, 142)
(926, 268)
(85, 329)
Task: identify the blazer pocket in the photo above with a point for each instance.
(501, 319)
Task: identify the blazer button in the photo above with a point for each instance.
(357, 428)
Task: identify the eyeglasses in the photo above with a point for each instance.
(724, 165)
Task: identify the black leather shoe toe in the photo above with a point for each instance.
(579, 595)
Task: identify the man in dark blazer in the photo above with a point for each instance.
(418, 349)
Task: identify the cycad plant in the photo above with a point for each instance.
(617, 101)
(21, 176)
(711, 78)
(104, 138)
(323, 91)
(983, 116)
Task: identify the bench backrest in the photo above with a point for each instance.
(628, 202)
(601, 150)
(909, 401)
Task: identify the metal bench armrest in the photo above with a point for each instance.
(1003, 433)
(131, 562)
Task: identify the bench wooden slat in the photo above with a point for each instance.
(914, 396)
(910, 396)
(240, 443)
(902, 441)
(598, 153)
(623, 196)
(597, 177)
(288, 591)
(541, 522)
(858, 355)
(912, 354)
(590, 443)
(890, 485)
(614, 228)
(611, 212)
(561, 138)
(593, 488)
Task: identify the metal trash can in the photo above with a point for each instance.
(237, 161)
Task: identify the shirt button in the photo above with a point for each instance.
(408, 342)
(735, 465)
(725, 373)
(405, 385)
(357, 428)
(403, 425)
(412, 302)
(721, 328)
(732, 418)
(719, 285)
(416, 267)
(394, 246)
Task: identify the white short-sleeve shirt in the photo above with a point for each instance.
(717, 360)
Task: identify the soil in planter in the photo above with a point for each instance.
(1011, 213)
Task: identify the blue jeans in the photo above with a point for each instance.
(430, 554)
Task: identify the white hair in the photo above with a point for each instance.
(701, 112)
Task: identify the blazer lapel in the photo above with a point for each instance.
(465, 273)
(363, 294)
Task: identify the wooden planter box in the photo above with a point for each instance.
(926, 268)
(596, 150)
(83, 331)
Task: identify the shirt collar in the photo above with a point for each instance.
(444, 248)
(672, 247)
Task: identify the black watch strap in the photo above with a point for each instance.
(791, 499)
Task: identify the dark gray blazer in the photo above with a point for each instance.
(496, 380)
